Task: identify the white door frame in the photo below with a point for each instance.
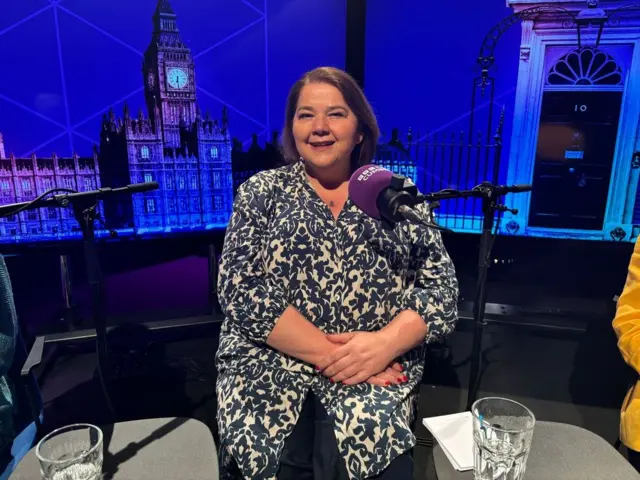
(522, 152)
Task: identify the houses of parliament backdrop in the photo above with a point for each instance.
(113, 93)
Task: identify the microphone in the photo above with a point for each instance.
(139, 187)
(504, 189)
(385, 196)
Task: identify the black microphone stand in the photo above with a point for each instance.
(85, 210)
(402, 193)
(489, 195)
(490, 206)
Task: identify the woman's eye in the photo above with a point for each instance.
(304, 115)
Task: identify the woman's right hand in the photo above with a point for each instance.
(391, 376)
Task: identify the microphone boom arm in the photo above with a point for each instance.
(71, 197)
(396, 202)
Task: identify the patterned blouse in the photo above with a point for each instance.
(284, 247)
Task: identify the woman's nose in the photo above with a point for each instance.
(320, 125)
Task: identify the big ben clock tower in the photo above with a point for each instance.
(188, 154)
(168, 71)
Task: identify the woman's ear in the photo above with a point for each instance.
(360, 137)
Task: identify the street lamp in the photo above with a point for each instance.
(592, 15)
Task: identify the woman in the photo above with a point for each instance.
(626, 325)
(323, 307)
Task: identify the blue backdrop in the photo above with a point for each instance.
(421, 61)
(66, 62)
(71, 66)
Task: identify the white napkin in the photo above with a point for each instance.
(454, 434)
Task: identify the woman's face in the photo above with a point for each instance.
(324, 127)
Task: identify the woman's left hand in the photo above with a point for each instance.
(362, 355)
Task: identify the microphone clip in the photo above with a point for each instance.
(396, 204)
(400, 183)
(400, 192)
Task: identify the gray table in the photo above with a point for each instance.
(153, 449)
(559, 451)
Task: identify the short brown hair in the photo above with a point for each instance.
(357, 102)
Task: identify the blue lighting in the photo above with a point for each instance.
(88, 103)
(561, 118)
(491, 97)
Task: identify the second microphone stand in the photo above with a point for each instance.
(489, 194)
(489, 197)
(85, 210)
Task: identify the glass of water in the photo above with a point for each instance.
(73, 452)
(502, 434)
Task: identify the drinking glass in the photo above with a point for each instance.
(502, 434)
(73, 452)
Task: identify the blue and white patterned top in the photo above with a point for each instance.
(284, 247)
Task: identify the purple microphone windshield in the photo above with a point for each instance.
(365, 186)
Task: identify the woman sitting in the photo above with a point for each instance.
(327, 314)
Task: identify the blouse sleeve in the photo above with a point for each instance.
(434, 295)
(247, 296)
(627, 320)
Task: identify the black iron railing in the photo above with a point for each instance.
(434, 162)
(459, 161)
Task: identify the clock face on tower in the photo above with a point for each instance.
(177, 77)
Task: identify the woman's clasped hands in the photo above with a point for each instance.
(362, 357)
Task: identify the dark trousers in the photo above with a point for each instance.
(311, 451)
(634, 458)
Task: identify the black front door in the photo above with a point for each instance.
(574, 157)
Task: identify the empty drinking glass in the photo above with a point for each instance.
(73, 452)
(502, 434)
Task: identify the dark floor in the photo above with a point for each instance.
(576, 378)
